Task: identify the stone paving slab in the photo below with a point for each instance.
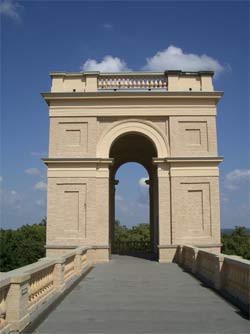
(134, 296)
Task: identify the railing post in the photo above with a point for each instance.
(17, 302)
(180, 257)
(77, 261)
(59, 273)
(194, 264)
(91, 81)
(218, 272)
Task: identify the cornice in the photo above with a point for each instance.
(48, 96)
(188, 159)
(48, 161)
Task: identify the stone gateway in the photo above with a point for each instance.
(164, 121)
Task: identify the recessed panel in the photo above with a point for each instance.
(196, 206)
(72, 208)
(194, 135)
(73, 138)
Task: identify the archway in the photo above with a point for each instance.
(135, 147)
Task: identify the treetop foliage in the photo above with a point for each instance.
(26, 244)
(22, 246)
(237, 243)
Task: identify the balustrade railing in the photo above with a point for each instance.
(206, 265)
(69, 267)
(41, 283)
(229, 275)
(126, 247)
(27, 291)
(127, 82)
(188, 259)
(236, 278)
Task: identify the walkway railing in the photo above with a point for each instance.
(230, 275)
(127, 247)
(132, 81)
(26, 292)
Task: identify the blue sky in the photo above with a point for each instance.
(39, 36)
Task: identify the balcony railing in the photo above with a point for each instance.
(26, 292)
(128, 82)
(229, 275)
(128, 247)
(171, 81)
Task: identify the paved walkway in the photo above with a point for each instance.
(131, 295)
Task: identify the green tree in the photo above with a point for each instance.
(237, 243)
(136, 238)
(22, 246)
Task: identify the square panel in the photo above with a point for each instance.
(73, 137)
(194, 135)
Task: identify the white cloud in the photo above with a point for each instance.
(13, 192)
(107, 64)
(142, 183)
(173, 58)
(107, 26)
(10, 8)
(41, 185)
(236, 177)
(33, 171)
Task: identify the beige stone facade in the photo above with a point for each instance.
(166, 122)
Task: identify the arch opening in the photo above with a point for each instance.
(135, 148)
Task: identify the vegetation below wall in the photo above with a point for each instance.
(237, 242)
(22, 246)
(138, 233)
(26, 244)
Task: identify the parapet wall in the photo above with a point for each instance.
(25, 293)
(229, 275)
(96, 81)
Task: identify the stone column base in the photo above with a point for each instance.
(99, 254)
(96, 254)
(168, 253)
(171, 253)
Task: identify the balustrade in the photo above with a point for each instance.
(228, 274)
(27, 291)
(126, 247)
(69, 267)
(145, 82)
(236, 279)
(188, 254)
(206, 266)
(41, 284)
